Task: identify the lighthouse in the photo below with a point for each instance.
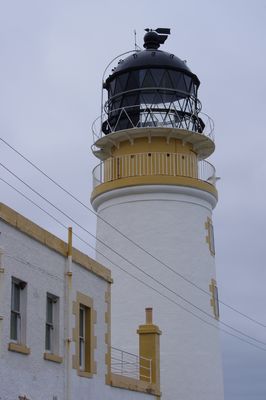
(155, 187)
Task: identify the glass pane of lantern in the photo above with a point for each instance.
(175, 77)
(182, 84)
(148, 80)
(167, 96)
(123, 81)
(147, 97)
(157, 74)
(187, 82)
(112, 86)
(118, 88)
(166, 81)
(133, 80)
(130, 99)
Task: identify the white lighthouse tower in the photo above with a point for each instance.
(155, 186)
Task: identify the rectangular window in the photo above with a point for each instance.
(52, 322)
(18, 311)
(211, 238)
(84, 338)
(214, 298)
(82, 322)
(216, 302)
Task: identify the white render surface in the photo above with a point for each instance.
(169, 222)
(44, 271)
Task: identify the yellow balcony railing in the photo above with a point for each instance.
(153, 164)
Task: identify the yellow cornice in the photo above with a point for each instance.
(154, 180)
(147, 329)
(34, 231)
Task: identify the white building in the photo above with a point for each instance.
(55, 333)
(154, 185)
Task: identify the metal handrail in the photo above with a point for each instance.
(103, 76)
(153, 164)
(152, 89)
(130, 365)
(163, 116)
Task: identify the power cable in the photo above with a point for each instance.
(133, 276)
(128, 261)
(129, 239)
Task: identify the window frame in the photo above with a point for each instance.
(214, 299)
(82, 337)
(86, 368)
(84, 355)
(17, 343)
(52, 326)
(210, 236)
(18, 311)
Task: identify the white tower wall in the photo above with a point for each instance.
(170, 223)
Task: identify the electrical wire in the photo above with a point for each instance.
(125, 259)
(133, 276)
(129, 239)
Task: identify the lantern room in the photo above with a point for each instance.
(152, 88)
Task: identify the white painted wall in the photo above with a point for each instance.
(169, 222)
(31, 375)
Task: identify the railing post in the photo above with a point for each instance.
(122, 363)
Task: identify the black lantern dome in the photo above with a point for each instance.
(152, 88)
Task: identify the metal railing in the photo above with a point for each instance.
(153, 164)
(130, 365)
(150, 117)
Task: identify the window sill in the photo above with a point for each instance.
(53, 357)
(19, 348)
(84, 374)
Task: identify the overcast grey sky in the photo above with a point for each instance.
(53, 53)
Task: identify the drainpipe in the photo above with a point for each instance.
(1, 295)
(68, 314)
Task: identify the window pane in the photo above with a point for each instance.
(81, 322)
(157, 74)
(212, 246)
(148, 80)
(48, 340)
(15, 301)
(49, 310)
(81, 353)
(14, 326)
(216, 300)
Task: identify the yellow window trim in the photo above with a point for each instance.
(212, 287)
(209, 237)
(91, 368)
